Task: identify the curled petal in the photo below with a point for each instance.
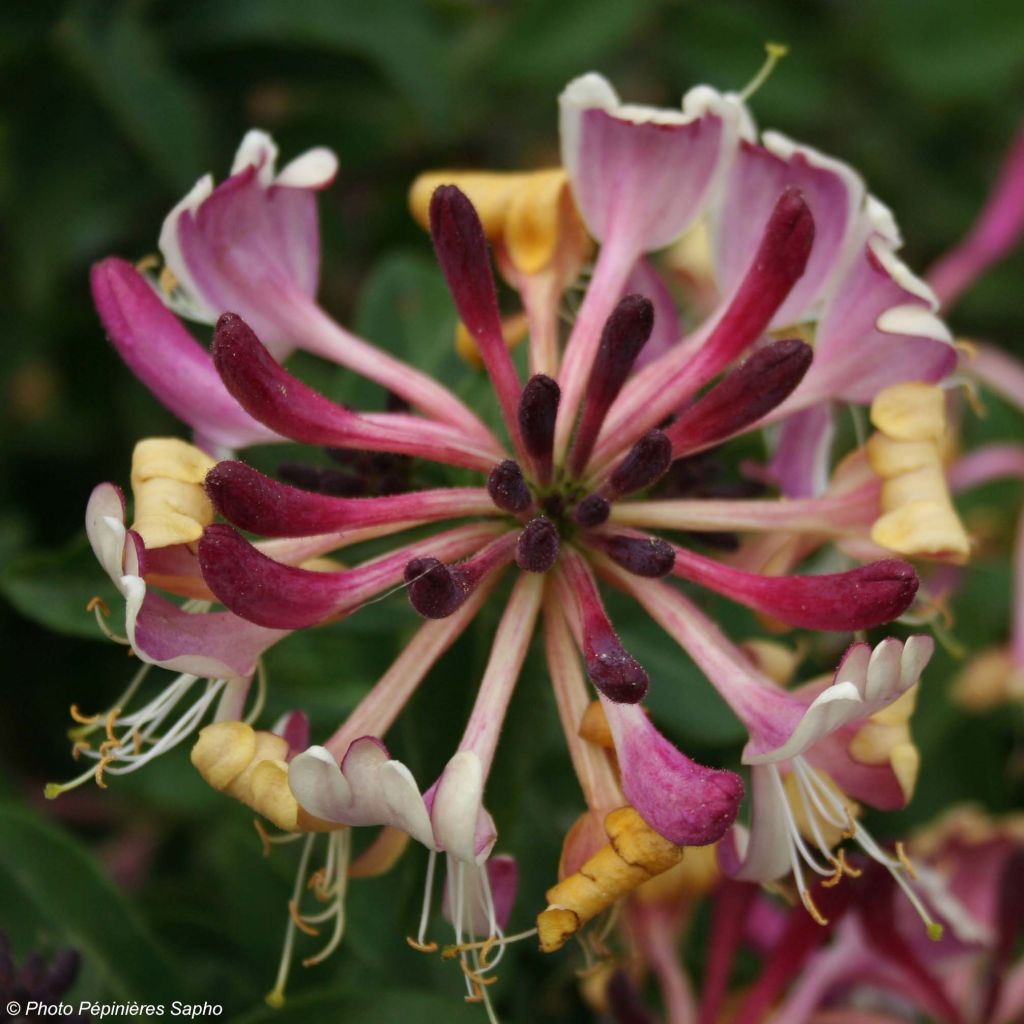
(639, 170)
(865, 682)
(367, 788)
(462, 827)
(761, 854)
(167, 359)
(832, 190)
(685, 802)
(245, 244)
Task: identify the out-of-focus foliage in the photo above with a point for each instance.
(111, 110)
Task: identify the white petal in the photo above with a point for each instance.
(315, 168)
(458, 802)
(104, 526)
(257, 150)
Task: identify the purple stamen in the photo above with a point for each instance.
(508, 489)
(592, 511)
(537, 547)
(742, 397)
(645, 464)
(651, 557)
(538, 407)
(625, 334)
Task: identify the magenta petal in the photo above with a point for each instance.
(858, 599)
(167, 359)
(265, 506)
(742, 397)
(879, 328)
(294, 409)
(247, 245)
(271, 594)
(213, 644)
(639, 173)
(502, 877)
(832, 191)
(685, 802)
(800, 464)
(647, 281)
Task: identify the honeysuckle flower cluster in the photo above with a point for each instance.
(606, 438)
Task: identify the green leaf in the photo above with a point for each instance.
(387, 1007)
(396, 36)
(124, 63)
(79, 903)
(54, 587)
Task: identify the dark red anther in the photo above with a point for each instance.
(646, 463)
(592, 511)
(651, 557)
(537, 547)
(435, 589)
(538, 406)
(508, 489)
(742, 397)
(625, 333)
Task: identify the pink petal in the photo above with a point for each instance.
(833, 193)
(638, 171)
(681, 800)
(167, 359)
(879, 328)
(502, 878)
(997, 230)
(800, 464)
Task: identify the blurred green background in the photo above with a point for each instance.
(110, 112)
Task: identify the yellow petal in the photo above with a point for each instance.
(989, 679)
(513, 330)
(171, 506)
(490, 192)
(912, 411)
(540, 213)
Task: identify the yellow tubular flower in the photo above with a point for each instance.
(635, 854)
(171, 506)
(918, 516)
(991, 678)
(885, 737)
(250, 766)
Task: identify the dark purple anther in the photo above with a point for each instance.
(742, 397)
(538, 406)
(592, 511)
(435, 589)
(537, 547)
(507, 487)
(613, 670)
(643, 556)
(625, 333)
(647, 462)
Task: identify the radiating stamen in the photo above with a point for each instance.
(592, 511)
(625, 333)
(437, 590)
(646, 463)
(537, 547)
(836, 813)
(651, 557)
(462, 251)
(742, 397)
(611, 668)
(508, 489)
(538, 407)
